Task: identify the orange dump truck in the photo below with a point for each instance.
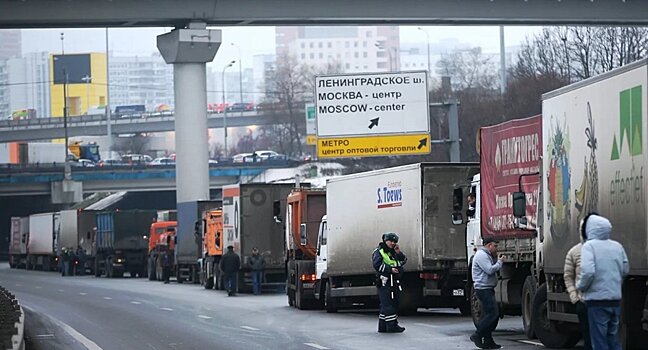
(161, 237)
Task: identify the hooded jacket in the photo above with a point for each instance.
(604, 263)
(572, 272)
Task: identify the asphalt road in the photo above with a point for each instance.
(99, 313)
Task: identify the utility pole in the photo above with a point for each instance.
(240, 75)
(427, 35)
(108, 121)
(225, 108)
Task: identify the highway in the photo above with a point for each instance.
(99, 313)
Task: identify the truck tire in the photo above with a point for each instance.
(329, 302)
(528, 293)
(546, 330)
(208, 282)
(149, 268)
(476, 308)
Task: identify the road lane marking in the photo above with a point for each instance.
(18, 284)
(135, 302)
(205, 317)
(427, 325)
(83, 293)
(250, 328)
(108, 298)
(89, 344)
(316, 346)
(39, 287)
(45, 336)
(166, 309)
(61, 290)
(531, 342)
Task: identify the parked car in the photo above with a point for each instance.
(86, 163)
(134, 159)
(241, 107)
(267, 155)
(213, 161)
(162, 161)
(110, 163)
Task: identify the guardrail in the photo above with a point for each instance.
(12, 322)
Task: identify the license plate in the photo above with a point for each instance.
(458, 292)
(308, 285)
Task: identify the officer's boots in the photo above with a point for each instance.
(393, 327)
(382, 326)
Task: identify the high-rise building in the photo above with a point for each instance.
(28, 83)
(10, 43)
(5, 112)
(263, 67)
(353, 48)
(136, 80)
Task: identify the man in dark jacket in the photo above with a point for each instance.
(166, 265)
(230, 264)
(388, 262)
(257, 264)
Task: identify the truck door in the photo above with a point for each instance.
(473, 229)
(322, 251)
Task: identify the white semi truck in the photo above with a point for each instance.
(422, 203)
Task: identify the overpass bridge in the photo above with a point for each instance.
(165, 13)
(96, 125)
(38, 181)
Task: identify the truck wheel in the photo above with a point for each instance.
(528, 292)
(208, 282)
(299, 299)
(149, 268)
(329, 303)
(476, 308)
(546, 330)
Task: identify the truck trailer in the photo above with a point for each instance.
(189, 247)
(248, 222)
(304, 212)
(77, 229)
(120, 242)
(18, 242)
(422, 203)
(42, 241)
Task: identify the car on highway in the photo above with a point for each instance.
(86, 163)
(111, 163)
(162, 161)
(241, 107)
(268, 155)
(242, 158)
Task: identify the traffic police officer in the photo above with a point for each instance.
(388, 261)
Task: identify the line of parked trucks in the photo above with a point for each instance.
(537, 178)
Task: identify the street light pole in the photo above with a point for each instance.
(225, 108)
(240, 75)
(108, 121)
(427, 35)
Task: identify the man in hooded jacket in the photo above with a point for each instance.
(604, 264)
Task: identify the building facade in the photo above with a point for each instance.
(28, 83)
(10, 43)
(85, 77)
(141, 81)
(353, 48)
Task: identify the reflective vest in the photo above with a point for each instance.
(387, 259)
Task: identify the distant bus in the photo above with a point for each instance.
(130, 111)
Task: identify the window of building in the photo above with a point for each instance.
(320, 45)
(311, 45)
(355, 44)
(369, 34)
(364, 44)
(303, 45)
(303, 56)
(365, 54)
(312, 56)
(356, 55)
(321, 55)
(347, 66)
(346, 44)
(330, 44)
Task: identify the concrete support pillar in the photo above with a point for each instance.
(189, 49)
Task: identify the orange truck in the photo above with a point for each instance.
(161, 237)
(211, 227)
(305, 208)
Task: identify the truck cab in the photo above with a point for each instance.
(320, 261)
(473, 230)
(211, 227)
(161, 237)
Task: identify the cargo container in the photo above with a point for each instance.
(77, 230)
(121, 243)
(18, 242)
(42, 240)
(248, 222)
(422, 203)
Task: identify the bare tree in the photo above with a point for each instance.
(468, 69)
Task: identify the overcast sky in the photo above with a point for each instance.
(252, 40)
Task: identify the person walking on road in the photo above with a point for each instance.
(81, 256)
(257, 264)
(230, 264)
(65, 262)
(604, 265)
(166, 265)
(388, 261)
(571, 276)
(484, 275)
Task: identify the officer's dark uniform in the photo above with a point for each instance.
(388, 283)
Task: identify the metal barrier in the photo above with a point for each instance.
(12, 322)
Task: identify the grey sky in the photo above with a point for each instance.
(252, 40)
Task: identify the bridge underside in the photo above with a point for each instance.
(159, 13)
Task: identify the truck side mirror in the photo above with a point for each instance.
(457, 199)
(303, 238)
(457, 218)
(519, 204)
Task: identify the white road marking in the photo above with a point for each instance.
(426, 325)
(531, 342)
(18, 284)
(316, 346)
(83, 293)
(39, 287)
(108, 298)
(135, 302)
(166, 309)
(250, 328)
(61, 290)
(45, 336)
(205, 317)
(89, 344)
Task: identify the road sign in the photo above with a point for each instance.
(368, 146)
(372, 104)
(311, 124)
